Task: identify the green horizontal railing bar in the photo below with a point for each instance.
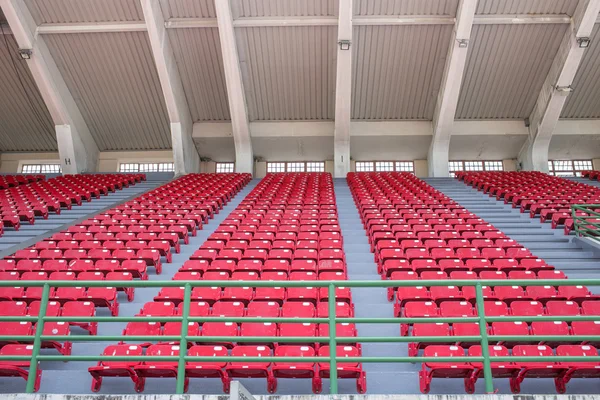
(318, 284)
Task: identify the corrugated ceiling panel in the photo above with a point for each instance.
(584, 102)
(397, 70)
(527, 6)
(201, 70)
(188, 8)
(284, 8)
(405, 7)
(289, 72)
(114, 81)
(505, 70)
(25, 123)
(65, 11)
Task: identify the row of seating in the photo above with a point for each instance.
(8, 181)
(548, 196)
(25, 202)
(515, 371)
(286, 228)
(86, 259)
(591, 174)
(418, 233)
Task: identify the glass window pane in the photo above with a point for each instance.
(563, 165)
(364, 166)
(315, 167)
(405, 166)
(275, 167)
(473, 166)
(295, 167)
(225, 168)
(41, 169)
(582, 165)
(493, 165)
(384, 166)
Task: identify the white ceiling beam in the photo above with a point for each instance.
(447, 101)
(343, 91)
(253, 22)
(556, 88)
(185, 154)
(244, 156)
(77, 149)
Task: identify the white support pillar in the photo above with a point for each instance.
(244, 157)
(447, 101)
(544, 118)
(343, 92)
(76, 146)
(185, 154)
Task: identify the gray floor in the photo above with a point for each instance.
(382, 378)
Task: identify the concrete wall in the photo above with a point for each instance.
(596, 163)
(510, 165)
(260, 169)
(421, 168)
(10, 163)
(109, 160)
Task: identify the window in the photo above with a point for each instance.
(275, 167)
(295, 167)
(405, 166)
(41, 169)
(225, 167)
(455, 166)
(147, 167)
(568, 167)
(315, 167)
(364, 166)
(384, 166)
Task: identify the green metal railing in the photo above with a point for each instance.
(587, 223)
(332, 340)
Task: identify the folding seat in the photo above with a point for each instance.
(15, 328)
(501, 369)
(410, 293)
(241, 369)
(96, 254)
(577, 369)
(416, 309)
(451, 264)
(13, 308)
(199, 266)
(204, 254)
(158, 309)
(469, 293)
(142, 328)
(522, 275)
(507, 265)
(463, 275)
(158, 369)
(342, 310)
(495, 308)
(332, 265)
(518, 253)
(567, 308)
(442, 293)
(427, 329)
(430, 370)
(222, 265)
(18, 368)
(276, 265)
(303, 294)
(456, 309)
(539, 369)
(551, 274)
(122, 276)
(303, 265)
(341, 330)
(81, 309)
(187, 276)
(578, 293)
(543, 293)
(550, 328)
(208, 369)
(534, 264)
(508, 294)
(263, 309)
(346, 370)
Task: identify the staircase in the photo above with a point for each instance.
(543, 241)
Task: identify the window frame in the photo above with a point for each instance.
(571, 171)
(305, 166)
(228, 166)
(390, 166)
(146, 167)
(42, 168)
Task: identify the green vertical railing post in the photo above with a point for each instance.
(575, 222)
(485, 350)
(37, 341)
(183, 342)
(333, 383)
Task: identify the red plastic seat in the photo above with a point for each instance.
(580, 369)
(346, 370)
(297, 370)
(537, 369)
(208, 369)
(19, 368)
(117, 368)
(500, 369)
(430, 370)
(240, 369)
(159, 369)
